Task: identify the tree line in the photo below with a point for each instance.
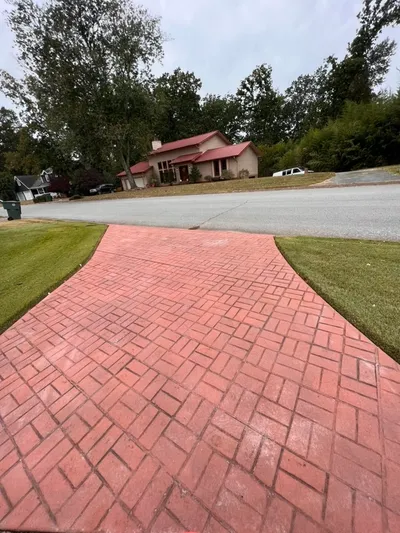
(88, 99)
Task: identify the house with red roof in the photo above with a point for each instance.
(211, 152)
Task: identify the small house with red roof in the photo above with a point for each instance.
(211, 152)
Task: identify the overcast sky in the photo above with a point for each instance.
(221, 41)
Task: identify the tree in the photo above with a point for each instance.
(221, 113)
(195, 174)
(261, 107)
(9, 127)
(7, 187)
(367, 60)
(178, 105)
(24, 159)
(86, 75)
(305, 104)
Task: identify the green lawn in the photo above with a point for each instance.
(360, 279)
(36, 257)
(216, 187)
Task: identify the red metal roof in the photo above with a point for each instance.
(139, 168)
(188, 158)
(191, 141)
(227, 151)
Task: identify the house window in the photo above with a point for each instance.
(167, 172)
(219, 165)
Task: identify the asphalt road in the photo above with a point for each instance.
(371, 212)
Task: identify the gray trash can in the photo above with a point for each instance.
(13, 209)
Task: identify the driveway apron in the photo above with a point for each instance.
(192, 381)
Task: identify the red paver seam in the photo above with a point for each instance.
(232, 378)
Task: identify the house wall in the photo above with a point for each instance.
(207, 168)
(23, 196)
(141, 180)
(214, 142)
(168, 156)
(248, 160)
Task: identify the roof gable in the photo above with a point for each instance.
(234, 150)
(139, 168)
(186, 143)
(27, 181)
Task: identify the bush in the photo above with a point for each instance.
(244, 174)
(43, 198)
(76, 197)
(227, 175)
(86, 179)
(208, 178)
(195, 174)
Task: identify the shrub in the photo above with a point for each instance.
(208, 178)
(195, 174)
(227, 175)
(244, 174)
(154, 181)
(85, 179)
(76, 197)
(43, 198)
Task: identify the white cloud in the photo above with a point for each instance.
(223, 40)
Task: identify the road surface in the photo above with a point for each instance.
(371, 212)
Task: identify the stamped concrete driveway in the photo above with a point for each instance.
(192, 381)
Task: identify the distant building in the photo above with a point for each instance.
(211, 152)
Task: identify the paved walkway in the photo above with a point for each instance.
(187, 380)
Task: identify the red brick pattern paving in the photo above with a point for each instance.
(192, 381)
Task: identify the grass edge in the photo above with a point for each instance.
(391, 351)
(55, 285)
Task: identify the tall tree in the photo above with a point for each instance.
(261, 106)
(9, 127)
(178, 105)
(86, 72)
(221, 113)
(367, 60)
(305, 104)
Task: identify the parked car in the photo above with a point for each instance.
(296, 171)
(105, 188)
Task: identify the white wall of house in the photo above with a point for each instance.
(249, 161)
(141, 180)
(24, 196)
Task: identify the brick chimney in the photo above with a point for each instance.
(156, 145)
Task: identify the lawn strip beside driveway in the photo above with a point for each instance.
(36, 257)
(360, 279)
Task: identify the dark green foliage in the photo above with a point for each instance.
(221, 113)
(84, 180)
(260, 107)
(43, 198)
(177, 105)
(195, 174)
(7, 187)
(365, 135)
